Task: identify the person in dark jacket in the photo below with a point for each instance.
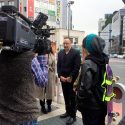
(18, 105)
(90, 92)
(68, 66)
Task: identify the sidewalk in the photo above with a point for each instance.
(53, 118)
(58, 108)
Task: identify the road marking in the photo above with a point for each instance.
(117, 60)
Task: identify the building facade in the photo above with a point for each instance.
(47, 7)
(105, 30)
(118, 33)
(123, 43)
(56, 10)
(106, 35)
(101, 23)
(76, 36)
(9, 2)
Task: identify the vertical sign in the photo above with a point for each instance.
(58, 11)
(20, 6)
(30, 8)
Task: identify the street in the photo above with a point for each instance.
(118, 67)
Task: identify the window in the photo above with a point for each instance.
(71, 39)
(1, 4)
(76, 41)
(11, 3)
(51, 7)
(25, 9)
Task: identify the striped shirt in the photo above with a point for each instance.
(39, 68)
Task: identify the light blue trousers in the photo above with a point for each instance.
(34, 122)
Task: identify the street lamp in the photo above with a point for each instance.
(68, 5)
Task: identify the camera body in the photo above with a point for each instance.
(18, 33)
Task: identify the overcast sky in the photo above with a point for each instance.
(86, 13)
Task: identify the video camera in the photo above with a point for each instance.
(19, 34)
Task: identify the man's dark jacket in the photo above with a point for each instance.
(69, 64)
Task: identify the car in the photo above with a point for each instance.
(123, 56)
(111, 55)
(120, 56)
(115, 55)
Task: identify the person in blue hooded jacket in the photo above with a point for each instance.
(90, 92)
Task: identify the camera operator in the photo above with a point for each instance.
(18, 104)
(19, 69)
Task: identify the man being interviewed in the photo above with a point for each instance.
(68, 66)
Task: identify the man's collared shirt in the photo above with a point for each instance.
(66, 52)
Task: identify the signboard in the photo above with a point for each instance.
(30, 8)
(58, 11)
(20, 6)
(52, 1)
(51, 13)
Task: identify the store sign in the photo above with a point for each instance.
(52, 1)
(51, 13)
(30, 8)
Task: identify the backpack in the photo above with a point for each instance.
(100, 90)
(104, 91)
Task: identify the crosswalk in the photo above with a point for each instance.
(116, 60)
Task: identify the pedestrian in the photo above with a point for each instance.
(68, 66)
(90, 92)
(40, 61)
(49, 90)
(18, 105)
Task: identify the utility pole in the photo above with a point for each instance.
(110, 41)
(99, 33)
(68, 5)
